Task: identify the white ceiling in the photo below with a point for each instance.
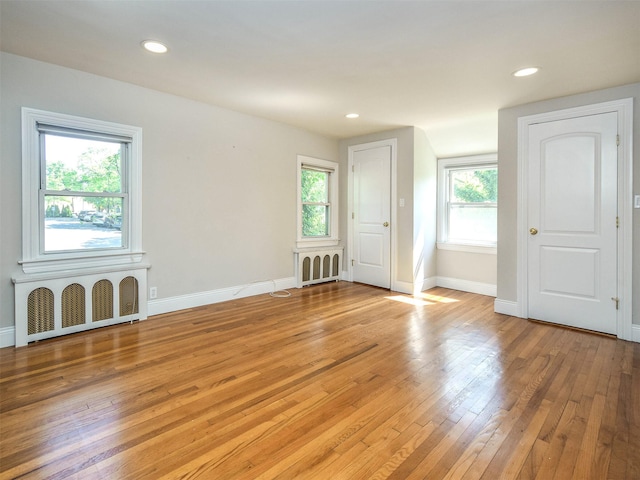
(443, 66)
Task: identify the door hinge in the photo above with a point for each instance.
(353, 262)
(618, 140)
(353, 215)
(617, 222)
(617, 300)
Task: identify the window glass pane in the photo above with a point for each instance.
(473, 224)
(81, 223)
(315, 186)
(315, 220)
(82, 165)
(474, 185)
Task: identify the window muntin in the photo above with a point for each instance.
(317, 202)
(58, 188)
(83, 193)
(468, 201)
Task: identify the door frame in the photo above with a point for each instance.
(392, 143)
(624, 109)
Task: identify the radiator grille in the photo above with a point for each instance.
(102, 297)
(316, 266)
(40, 311)
(73, 307)
(51, 305)
(306, 269)
(128, 296)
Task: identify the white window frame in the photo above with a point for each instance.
(333, 168)
(444, 166)
(34, 259)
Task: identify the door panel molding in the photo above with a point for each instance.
(624, 110)
(352, 149)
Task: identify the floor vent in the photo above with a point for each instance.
(318, 265)
(53, 306)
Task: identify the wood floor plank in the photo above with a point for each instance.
(337, 381)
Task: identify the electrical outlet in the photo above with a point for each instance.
(153, 292)
(636, 202)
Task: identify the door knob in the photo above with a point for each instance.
(533, 231)
(385, 224)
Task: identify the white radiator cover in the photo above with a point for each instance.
(318, 265)
(54, 304)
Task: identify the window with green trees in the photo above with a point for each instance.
(317, 202)
(469, 203)
(83, 194)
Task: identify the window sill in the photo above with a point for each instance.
(325, 242)
(46, 265)
(460, 247)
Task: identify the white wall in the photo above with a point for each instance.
(425, 176)
(468, 271)
(219, 187)
(507, 183)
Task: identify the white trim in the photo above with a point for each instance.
(396, 285)
(635, 333)
(404, 287)
(32, 259)
(172, 304)
(333, 169)
(414, 288)
(624, 109)
(7, 337)
(426, 284)
(459, 247)
(467, 286)
(506, 307)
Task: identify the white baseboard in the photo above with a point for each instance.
(635, 333)
(7, 337)
(171, 304)
(506, 307)
(413, 288)
(427, 283)
(467, 286)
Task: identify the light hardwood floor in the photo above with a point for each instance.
(338, 381)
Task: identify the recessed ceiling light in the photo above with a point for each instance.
(154, 47)
(525, 72)
(352, 115)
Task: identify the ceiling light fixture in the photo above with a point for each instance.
(525, 72)
(154, 47)
(352, 115)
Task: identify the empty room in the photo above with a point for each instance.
(319, 239)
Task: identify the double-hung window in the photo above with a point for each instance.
(317, 202)
(81, 192)
(468, 203)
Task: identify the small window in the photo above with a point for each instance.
(468, 202)
(317, 202)
(81, 192)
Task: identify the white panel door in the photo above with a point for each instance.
(371, 216)
(572, 252)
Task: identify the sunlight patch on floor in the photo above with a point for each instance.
(417, 302)
(436, 298)
(421, 299)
